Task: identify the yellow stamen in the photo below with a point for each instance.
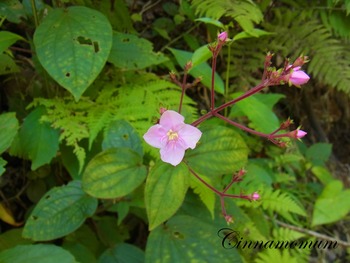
(172, 135)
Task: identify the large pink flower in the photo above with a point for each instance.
(298, 77)
(172, 136)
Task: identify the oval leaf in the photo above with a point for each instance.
(114, 173)
(59, 212)
(73, 45)
(165, 191)
(188, 239)
(221, 150)
(8, 127)
(40, 253)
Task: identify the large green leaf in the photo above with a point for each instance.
(165, 191)
(8, 130)
(36, 140)
(12, 238)
(188, 239)
(7, 39)
(220, 150)
(334, 199)
(39, 253)
(131, 52)
(73, 45)
(202, 70)
(120, 133)
(59, 212)
(114, 173)
(122, 253)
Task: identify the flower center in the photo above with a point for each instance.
(172, 135)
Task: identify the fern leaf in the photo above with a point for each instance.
(282, 203)
(245, 12)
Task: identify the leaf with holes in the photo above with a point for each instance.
(73, 45)
(120, 133)
(188, 239)
(60, 211)
(165, 191)
(114, 173)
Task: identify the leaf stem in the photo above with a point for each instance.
(36, 20)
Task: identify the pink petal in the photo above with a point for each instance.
(190, 135)
(299, 78)
(171, 119)
(155, 136)
(172, 153)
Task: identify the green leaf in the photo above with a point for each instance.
(262, 118)
(201, 55)
(2, 166)
(333, 198)
(122, 253)
(12, 10)
(131, 52)
(187, 239)
(220, 150)
(7, 65)
(202, 70)
(73, 45)
(36, 141)
(12, 238)
(60, 211)
(165, 191)
(7, 39)
(8, 128)
(206, 195)
(208, 20)
(39, 253)
(319, 153)
(120, 133)
(80, 252)
(322, 174)
(114, 173)
(255, 32)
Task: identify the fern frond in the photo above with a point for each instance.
(245, 12)
(281, 203)
(329, 57)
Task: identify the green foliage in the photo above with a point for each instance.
(104, 195)
(59, 212)
(73, 45)
(41, 253)
(113, 173)
(165, 191)
(246, 13)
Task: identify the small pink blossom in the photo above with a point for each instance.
(172, 136)
(222, 36)
(298, 77)
(301, 134)
(255, 196)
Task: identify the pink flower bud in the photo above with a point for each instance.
(222, 36)
(301, 134)
(255, 196)
(229, 219)
(298, 77)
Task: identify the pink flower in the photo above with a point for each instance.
(172, 136)
(255, 196)
(301, 134)
(298, 77)
(222, 36)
